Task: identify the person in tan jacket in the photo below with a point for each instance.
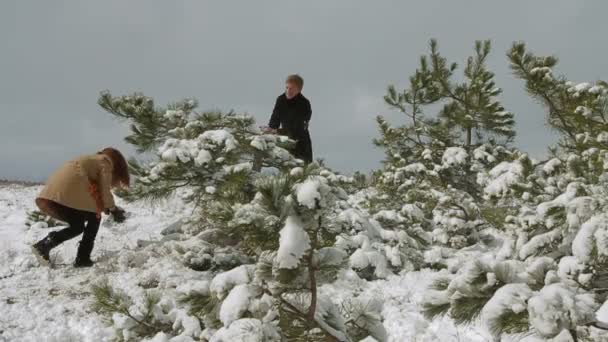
(78, 193)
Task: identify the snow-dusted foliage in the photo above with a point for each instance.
(549, 276)
(279, 226)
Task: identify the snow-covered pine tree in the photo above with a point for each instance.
(470, 115)
(549, 277)
(432, 163)
(283, 220)
(215, 155)
(293, 214)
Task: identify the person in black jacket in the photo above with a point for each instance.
(291, 115)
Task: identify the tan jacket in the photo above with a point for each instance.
(69, 185)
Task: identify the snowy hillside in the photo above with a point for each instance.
(459, 237)
(39, 303)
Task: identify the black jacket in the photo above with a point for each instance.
(293, 116)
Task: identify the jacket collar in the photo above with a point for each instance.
(295, 98)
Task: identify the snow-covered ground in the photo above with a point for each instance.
(55, 304)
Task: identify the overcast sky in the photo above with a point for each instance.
(56, 56)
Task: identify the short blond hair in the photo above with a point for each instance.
(295, 79)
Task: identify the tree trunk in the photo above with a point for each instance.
(313, 289)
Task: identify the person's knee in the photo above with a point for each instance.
(76, 227)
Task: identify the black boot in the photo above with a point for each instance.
(43, 248)
(83, 256)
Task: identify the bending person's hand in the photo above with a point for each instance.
(118, 214)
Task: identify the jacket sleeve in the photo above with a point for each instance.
(105, 184)
(307, 111)
(275, 120)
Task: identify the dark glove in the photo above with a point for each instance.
(118, 215)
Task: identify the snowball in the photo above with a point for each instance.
(293, 243)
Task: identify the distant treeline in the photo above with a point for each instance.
(18, 182)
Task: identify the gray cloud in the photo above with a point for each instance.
(57, 56)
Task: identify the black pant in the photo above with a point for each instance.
(80, 222)
(303, 147)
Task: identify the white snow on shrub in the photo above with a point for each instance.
(296, 171)
(247, 330)
(188, 325)
(551, 165)
(557, 307)
(240, 167)
(259, 143)
(584, 242)
(219, 137)
(203, 157)
(309, 191)
(509, 298)
(174, 114)
(415, 168)
(545, 240)
(235, 304)
(225, 281)
(502, 177)
(363, 258)
(293, 243)
(454, 156)
(481, 153)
